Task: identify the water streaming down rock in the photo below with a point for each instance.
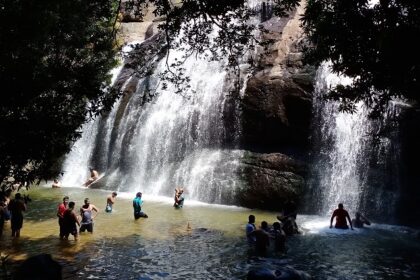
(172, 140)
(356, 158)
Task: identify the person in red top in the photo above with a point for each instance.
(62, 207)
(341, 216)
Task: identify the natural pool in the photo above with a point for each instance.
(203, 241)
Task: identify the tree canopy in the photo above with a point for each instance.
(55, 62)
(56, 57)
(373, 42)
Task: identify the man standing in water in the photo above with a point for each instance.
(62, 207)
(86, 213)
(137, 203)
(70, 222)
(110, 200)
(16, 207)
(341, 216)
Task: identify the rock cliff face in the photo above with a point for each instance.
(275, 114)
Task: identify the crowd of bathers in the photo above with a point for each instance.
(71, 222)
(262, 237)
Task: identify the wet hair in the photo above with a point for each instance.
(138, 194)
(66, 197)
(251, 219)
(114, 193)
(87, 200)
(71, 204)
(340, 205)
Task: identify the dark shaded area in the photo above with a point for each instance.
(408, 209)
(39, 267)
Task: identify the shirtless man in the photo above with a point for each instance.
(93, 177)
(87, 218)
(110, 200)
(341, 216)
(56, 184)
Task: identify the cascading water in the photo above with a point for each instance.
(173, 140)
(354, 164)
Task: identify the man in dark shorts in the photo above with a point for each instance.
(70, 222)
(87, 218)
(341, 216)
(62, 207)
(16, 207)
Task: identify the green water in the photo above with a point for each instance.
(202, 242)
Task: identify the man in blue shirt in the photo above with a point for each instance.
(137, 203)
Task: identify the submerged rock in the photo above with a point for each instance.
(285, 273)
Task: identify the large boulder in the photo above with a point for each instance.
(270, 181)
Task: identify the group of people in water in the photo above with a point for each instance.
(286, 226)
(277, 233)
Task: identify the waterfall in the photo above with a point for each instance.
(355, 163)
(174, 140)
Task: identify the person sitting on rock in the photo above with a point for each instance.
(93, 177)
(360, 220)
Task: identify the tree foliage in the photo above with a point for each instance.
(214, 30)
(375, 43)
(55, 58)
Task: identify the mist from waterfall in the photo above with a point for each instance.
(174, 140)
(353, 163)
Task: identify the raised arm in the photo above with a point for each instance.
(94, 208)
(332, 218)
(348, 218)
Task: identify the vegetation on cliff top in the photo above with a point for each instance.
(55, 60)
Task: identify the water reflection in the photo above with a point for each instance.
(204, 242)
